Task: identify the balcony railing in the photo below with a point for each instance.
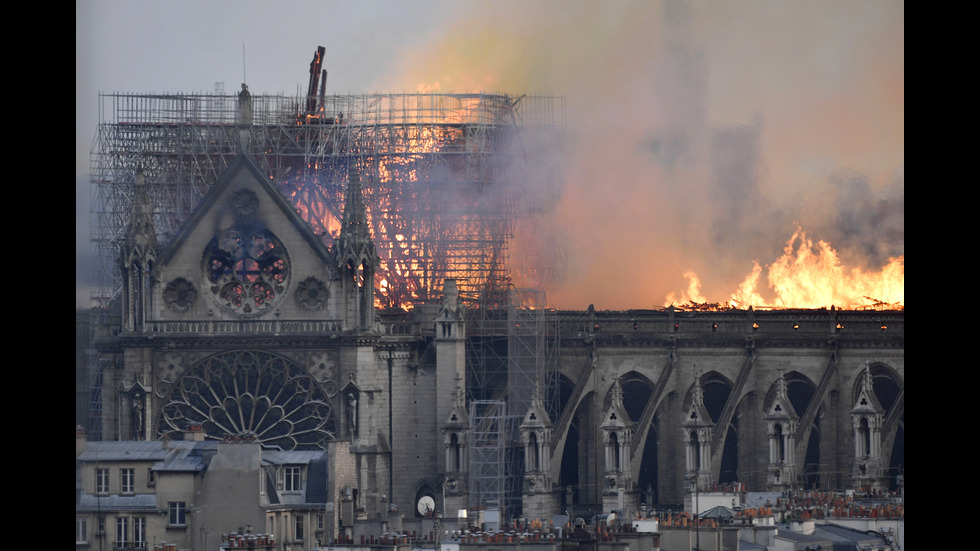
(129, 545)
(245, 327)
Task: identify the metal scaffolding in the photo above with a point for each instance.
(512, 349)
(447, 180)
(488, 444)
(446, 177)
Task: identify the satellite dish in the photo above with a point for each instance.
(426, 505)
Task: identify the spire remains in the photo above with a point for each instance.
(141, 238)
(354, 245)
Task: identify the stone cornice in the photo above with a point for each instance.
(246, 341)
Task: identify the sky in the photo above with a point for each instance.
(702, 135)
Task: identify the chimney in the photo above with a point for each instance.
(194, 433)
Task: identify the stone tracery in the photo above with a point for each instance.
(246, 268)
(251, 394)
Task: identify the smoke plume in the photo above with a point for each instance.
(701, 135)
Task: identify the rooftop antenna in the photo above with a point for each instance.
(244, 80)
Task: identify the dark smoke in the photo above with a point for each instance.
(700, 137)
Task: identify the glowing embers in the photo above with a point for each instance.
(424, 189)
(246, 269)
(809, 275)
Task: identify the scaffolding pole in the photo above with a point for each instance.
(512, 352)
(487, 453)
(445, 176)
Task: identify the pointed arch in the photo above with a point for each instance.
(801, 391)
(581, 452)
(717, 388)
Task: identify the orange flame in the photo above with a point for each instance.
(811, 276)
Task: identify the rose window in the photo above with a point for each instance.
(246, 269)
(253, 395)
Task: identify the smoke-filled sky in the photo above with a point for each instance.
(701, 134)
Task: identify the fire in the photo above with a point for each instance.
(436, 196)
(693, 293)
(810, 275)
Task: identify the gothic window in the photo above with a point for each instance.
(253, 395)
(864, 433)
(532, 443)
(246, 269)
(696, 449)
(454, 454)
(777, 435)
(614, 448)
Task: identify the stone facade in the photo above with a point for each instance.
(247, 324)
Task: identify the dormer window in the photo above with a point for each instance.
(291, 479)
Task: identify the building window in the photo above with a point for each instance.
(122, 532)
(102, 481)
(455, 459)
(292, 480)
(299, 527)
(864, 434)
(139, 532)
(81, 530)
(532, 446)
(319, 523)
(777, 432)
(151, 477)
(177, 513)
(126, 478)
(614, 452)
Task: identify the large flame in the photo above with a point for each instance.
(439, 198)
(809, 275)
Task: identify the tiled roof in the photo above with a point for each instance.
(128, 450)
(298, 457)
(139, 502)
(181, 455)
